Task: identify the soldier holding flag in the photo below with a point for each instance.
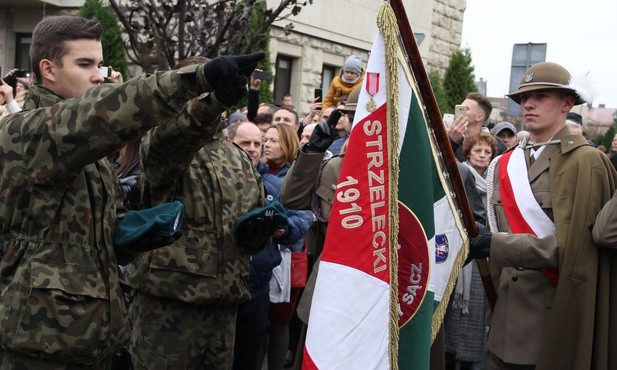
(553, 308)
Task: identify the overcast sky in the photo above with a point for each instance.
(580, 35)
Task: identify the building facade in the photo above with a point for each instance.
(323, 35)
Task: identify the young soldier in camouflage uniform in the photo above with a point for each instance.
(61, 305)
(184, 311)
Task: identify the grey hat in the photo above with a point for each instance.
(236, 116)
(353, 64)
(503, 126)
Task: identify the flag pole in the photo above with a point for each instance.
(443, 141)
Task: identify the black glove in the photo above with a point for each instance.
(254, 230)
(228, 76)
(323, 135)
(480, 245)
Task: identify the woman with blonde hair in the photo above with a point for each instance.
(280, 149)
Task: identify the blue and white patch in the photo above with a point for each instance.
(442, 248)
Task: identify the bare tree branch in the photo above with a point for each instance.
(159, 33)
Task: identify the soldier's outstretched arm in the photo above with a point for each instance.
(167, 150)
(58, 141)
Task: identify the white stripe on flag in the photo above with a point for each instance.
(445, 224)
(377, 64)
(357, 333)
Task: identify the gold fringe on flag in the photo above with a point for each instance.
(387, 24)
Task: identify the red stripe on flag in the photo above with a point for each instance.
(413, 264)
(358, 227)
(307, 361)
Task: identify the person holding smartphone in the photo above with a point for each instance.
(7, 100)
(469, 119)
(315, 110)
(252, 99)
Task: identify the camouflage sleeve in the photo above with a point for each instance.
(57, 141)
(123, 255)
(168, 150)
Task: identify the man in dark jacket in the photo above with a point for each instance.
(478, 111)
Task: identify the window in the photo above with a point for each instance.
(282, 78)
(22, 48)
(327, 75)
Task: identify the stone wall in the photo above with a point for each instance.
(310, 53)
(447, 29)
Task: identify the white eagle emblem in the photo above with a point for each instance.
(529, 77)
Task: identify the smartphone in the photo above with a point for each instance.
(22, 73)
(448, 119)
(460, 110)
(318, 94)
(262, 75)
(106, 71)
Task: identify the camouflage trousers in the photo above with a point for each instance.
(14, 361)
(169, 334)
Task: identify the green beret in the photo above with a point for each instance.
(150, 228)
(255, 228)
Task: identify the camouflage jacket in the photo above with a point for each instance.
(217, 184)
(60, 297)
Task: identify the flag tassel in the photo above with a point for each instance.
(386, 22)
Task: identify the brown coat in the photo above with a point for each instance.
(605, 228)
(564, 326)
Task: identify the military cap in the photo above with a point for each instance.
(150, 228)
(546, 76)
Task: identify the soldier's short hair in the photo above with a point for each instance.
(51, 34)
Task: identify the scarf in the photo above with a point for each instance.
(350, 82)
(463, 282)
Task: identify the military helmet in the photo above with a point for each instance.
(546, 76)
